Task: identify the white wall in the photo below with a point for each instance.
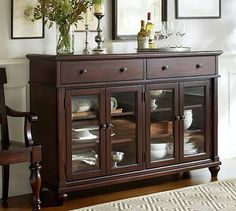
(204, 34)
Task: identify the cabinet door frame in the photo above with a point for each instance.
(139, 129)
(165, 162)
(87, 174)
(207, 136)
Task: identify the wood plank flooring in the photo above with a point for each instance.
(83, 199)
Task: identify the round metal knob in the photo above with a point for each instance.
(199, 66)
(110, 125)
(123, 69)
(177, 118)
(103, 126)
(83, 71)
(165, 67)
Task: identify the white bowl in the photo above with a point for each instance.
(84, 105)
(74, 106)
(159, 146)
(188, 112)
(156, 93)
(158, 154)
(187, 122)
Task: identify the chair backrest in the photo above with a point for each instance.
(3, 111)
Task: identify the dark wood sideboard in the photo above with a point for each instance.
(115, 118)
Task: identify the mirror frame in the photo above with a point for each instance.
(115, 33)
(178, 15)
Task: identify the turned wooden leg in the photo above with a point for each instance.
(5, 182)
(214, 171)
(61, 198)
(35, 181)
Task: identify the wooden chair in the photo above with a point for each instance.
(12, 152)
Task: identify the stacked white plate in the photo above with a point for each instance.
(189, 148)
(83, 134)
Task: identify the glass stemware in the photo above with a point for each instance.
(164, 35)
(180, 31)
(169, 32)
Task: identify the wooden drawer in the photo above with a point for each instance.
(106, 70)
(180, 67)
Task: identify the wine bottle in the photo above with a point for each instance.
(150, 30)
(142, 36)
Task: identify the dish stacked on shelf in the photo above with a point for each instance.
(159, 150)
(189, 147)
(84, 134)
(87, 156)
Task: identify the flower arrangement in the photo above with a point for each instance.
(64, 13)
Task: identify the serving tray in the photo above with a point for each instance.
(170, 49)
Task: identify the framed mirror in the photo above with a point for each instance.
(192, 9)
(126, 16)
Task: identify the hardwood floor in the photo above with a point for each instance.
(83, 199)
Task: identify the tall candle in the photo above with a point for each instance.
(87, 16)
(98, 8)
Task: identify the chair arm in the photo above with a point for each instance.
(29, 118)
(29, 115)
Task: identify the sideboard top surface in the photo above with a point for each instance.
(131, 55)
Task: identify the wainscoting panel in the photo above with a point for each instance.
(227, 105)
(17, 97)
(232, 98)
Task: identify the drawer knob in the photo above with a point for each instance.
(198, 66)
(83, 71)
(177, 118)
(110, 125)
(123, 69)
(103, 126)
(165, 67)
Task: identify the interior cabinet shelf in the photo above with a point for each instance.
(185, 107)
(126, 113)
(84, 115)
(83, 145)
(193, 106)
(166, 135)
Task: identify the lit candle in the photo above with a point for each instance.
(87, 16)
(98, 8)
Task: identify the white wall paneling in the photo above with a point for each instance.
(17, 97)
(227, 105)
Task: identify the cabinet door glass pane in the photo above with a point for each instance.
(161, 124)
(124, 130)
(85, 133)
(193, 122)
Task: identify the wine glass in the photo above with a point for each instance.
(164, 32)
(180, 31)
(169, 31)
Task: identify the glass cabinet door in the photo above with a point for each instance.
(85, 134)
(161, 108)
(124, 132)
(195, 120)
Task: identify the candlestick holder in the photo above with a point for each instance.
(99, 38)
(86, 49)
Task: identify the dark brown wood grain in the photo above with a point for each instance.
(58, 78)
